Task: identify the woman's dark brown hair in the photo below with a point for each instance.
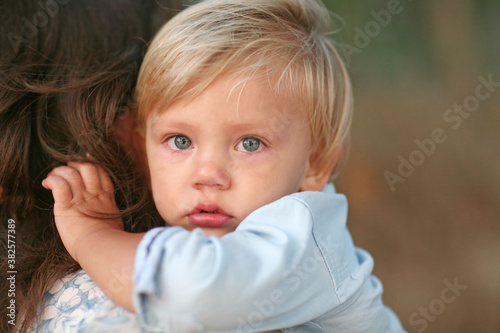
(67, 72)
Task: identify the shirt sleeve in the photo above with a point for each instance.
(283, 266)
(76, 304)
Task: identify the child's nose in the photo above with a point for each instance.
(212, 171)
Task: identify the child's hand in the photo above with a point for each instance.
(83, 203)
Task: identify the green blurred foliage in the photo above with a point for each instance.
(404, 46)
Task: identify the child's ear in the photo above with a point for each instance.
(316, 178)
(317, 175)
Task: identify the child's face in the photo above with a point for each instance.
(215, 159)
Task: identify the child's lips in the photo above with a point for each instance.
(209, 219)
(209, 215)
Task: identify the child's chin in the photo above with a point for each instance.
(217, 232)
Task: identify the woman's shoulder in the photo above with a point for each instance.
(76, 304)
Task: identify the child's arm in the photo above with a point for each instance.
(81, 192)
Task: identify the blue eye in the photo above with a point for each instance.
(249, 144)
(180, 142)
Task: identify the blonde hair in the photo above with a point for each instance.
(287, 39)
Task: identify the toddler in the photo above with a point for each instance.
(244, 112)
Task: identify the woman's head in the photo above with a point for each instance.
(67, 71)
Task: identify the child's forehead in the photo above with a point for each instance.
(238, 87)
(250, 102)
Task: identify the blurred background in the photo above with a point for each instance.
(423, 176)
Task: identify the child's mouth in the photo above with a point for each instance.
(209, 215)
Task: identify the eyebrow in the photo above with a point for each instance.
(258, 128)
(263, 129)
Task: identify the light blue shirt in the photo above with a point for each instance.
(288, 263)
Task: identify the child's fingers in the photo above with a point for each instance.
(106, 182)
(61, 189)
(90, 176)
(73, 178)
